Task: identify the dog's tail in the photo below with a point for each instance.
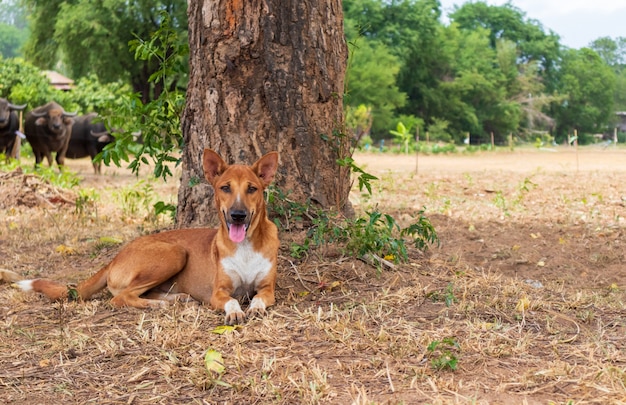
(58, 291)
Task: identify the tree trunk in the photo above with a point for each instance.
(266, 75)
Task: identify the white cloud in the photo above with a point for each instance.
(560, 7)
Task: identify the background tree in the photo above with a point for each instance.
(510, 23)
(371, 81)
(13, 28)
(409, 30)
(613, 53)
(588, 84)
(266, 76)
(93, 38)
(477, 87)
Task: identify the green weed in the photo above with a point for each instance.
(500, 202)
(86, 203)
(443, 354)
(446, 296)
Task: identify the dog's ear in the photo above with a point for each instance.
(213, 165)
(266, 167)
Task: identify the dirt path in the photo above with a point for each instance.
(560, 159)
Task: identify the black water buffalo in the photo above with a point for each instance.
(88, 139)
(48, 129)
(9, 125)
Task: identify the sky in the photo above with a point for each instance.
(577, 22)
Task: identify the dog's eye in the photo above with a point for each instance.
(252, 189)
(225, 189)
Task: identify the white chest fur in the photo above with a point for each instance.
(246, 267)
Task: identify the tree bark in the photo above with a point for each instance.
(266, 75)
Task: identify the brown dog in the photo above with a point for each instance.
(214, 266)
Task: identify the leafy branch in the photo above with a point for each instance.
(158, 121)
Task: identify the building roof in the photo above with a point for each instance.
(58, 81)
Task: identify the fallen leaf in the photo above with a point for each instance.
(109, 240)
(523, 304)
(214, 362)
(65, 250)
(222, 329)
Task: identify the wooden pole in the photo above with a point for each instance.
(576, 146)
(417, 149)
(17, 146)
(493, 145)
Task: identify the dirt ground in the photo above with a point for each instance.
(521, 302)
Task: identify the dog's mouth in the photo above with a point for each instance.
(237, 224)
(237, 232)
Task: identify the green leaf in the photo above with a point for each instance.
(214, 362)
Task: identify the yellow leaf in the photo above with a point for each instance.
(614, 287)
(333, 285)
(222, 329)
(13, 225)
(109, 240)
(65, 250)
(515, 248)
(541, 263)
(214, 362)
(535, 235)
(562, 241)
(44, 363)
(390, 257)
(523, 304)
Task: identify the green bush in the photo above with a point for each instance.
(23, 83)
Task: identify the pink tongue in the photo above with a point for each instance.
(237, 232)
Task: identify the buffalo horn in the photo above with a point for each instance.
(38, 113)
(17, 107)
(98, 134)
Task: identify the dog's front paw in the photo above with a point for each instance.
(255, 312)
(256, 309)
(235, 318)
(234, 314)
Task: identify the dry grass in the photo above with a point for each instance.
(528, 282)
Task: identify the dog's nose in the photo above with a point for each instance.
(238, 216)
